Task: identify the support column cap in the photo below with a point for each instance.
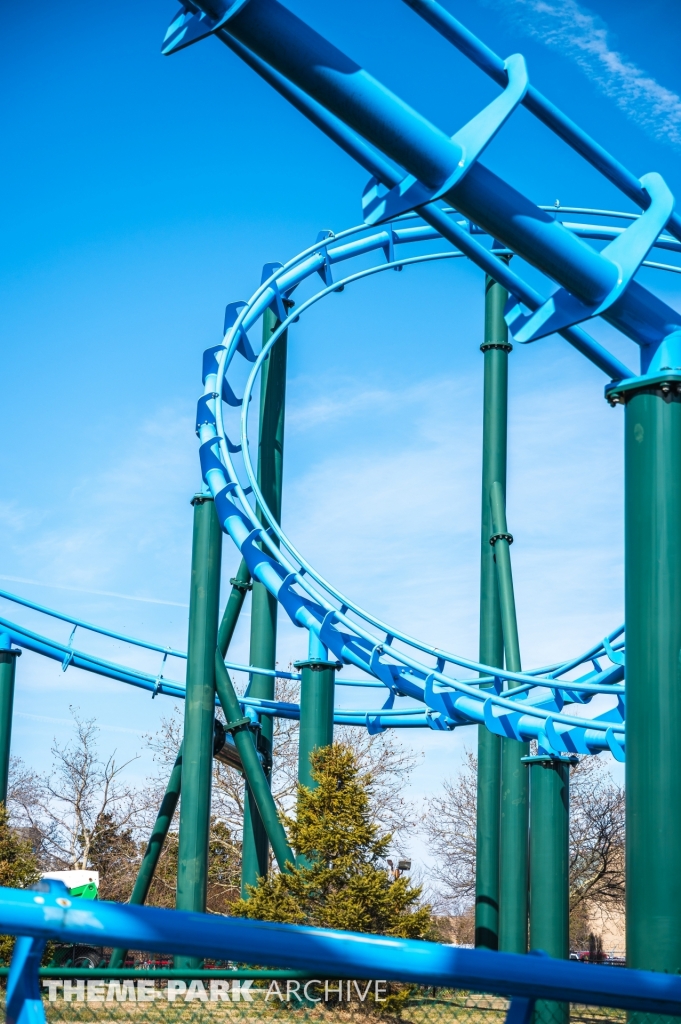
(316, 664)
(667, 383)
(550, 759)
(6, 646)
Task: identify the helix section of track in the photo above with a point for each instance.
(546, 704)
(423, 686)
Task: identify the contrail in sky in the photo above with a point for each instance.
(581, 35)
(100, 593)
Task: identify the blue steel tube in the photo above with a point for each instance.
(539, 105)
(339, 954)
(389, 175)
(291, 47)
(294, 49)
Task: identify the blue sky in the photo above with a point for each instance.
(142, 193)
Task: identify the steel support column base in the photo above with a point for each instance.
(549, 861)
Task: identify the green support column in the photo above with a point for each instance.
(653, 729)
(316, 707)
(199, 712)
(145, 875)
(255, 855)
(240, 728)
(8, 662)
(549, 858)
(513, 837)
(495, 349)
(241, 584)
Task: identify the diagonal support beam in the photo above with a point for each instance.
(513, 828)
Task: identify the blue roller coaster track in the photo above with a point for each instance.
(427, 189)
(546, 704)
(533, 704)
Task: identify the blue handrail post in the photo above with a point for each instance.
(255, 851)
(24, 1003)
(199, 713)
(495, 348)
(8, 663)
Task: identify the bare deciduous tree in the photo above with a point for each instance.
(82, 814)
(450, 825)
(23, 806)
(596, 866)
(381, 755)
(597, 834)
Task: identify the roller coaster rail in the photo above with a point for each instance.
(157, 685)
(456, 701)
(425, 187)
(522, 711)
(415, 167)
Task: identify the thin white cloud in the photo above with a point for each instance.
(69, 721)
(334, 406)
(15, 517)
(121, 525)
(397, 529)
(582, 36)
(86, 590)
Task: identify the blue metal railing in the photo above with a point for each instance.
(50, 914)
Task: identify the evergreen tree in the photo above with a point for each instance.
(18, 869)
(339, 880)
